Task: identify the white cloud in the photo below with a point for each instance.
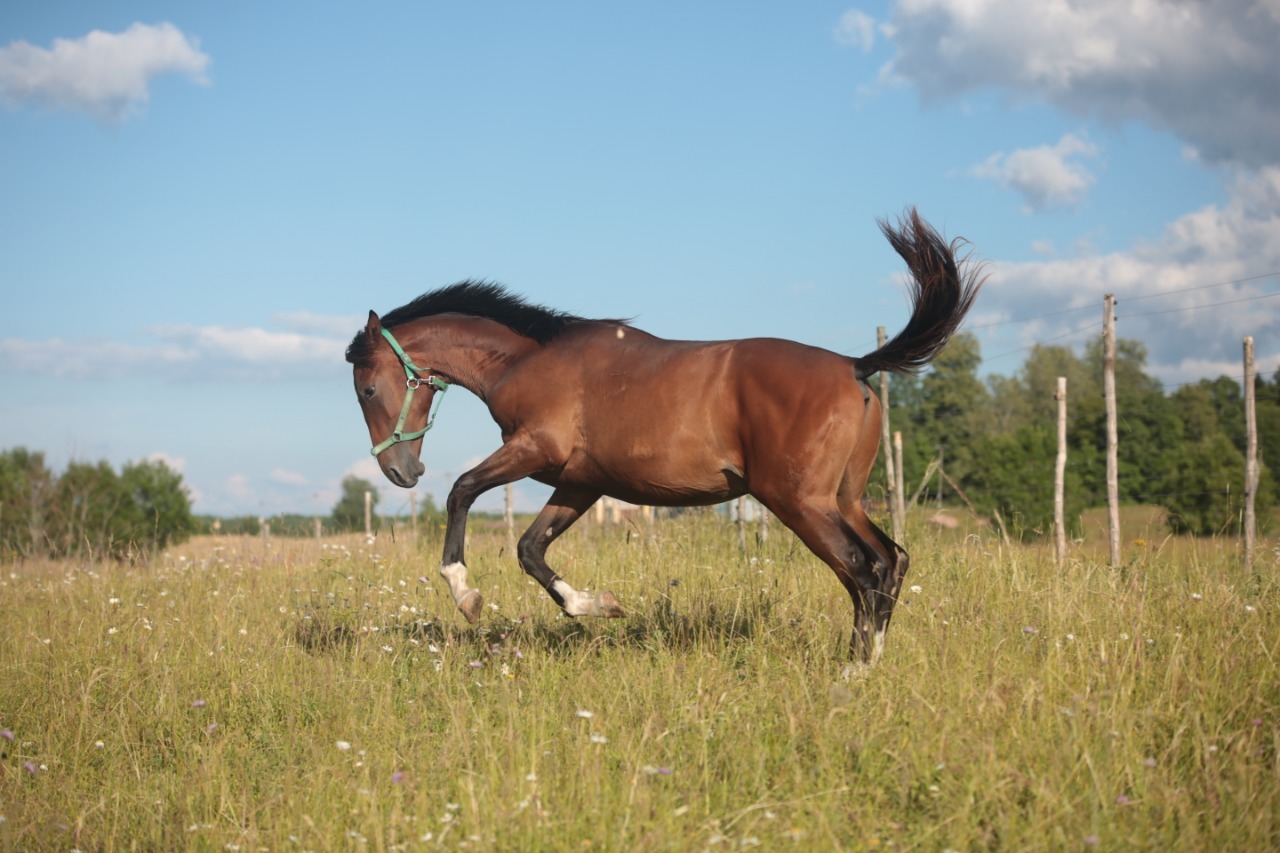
(321, 324)
(366, 468)
(287, 478)
(251, 345)
(180, 352)
(107, 75)
(1047, 177)
(1205, 71)
(856, 29)
(239, 487)
(175, 463)
(1167, 290)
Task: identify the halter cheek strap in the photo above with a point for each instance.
(412, 383)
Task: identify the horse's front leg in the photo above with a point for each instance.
(513, 461)
(565, 507)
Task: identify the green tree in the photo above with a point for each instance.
(1146, 425)
(1268, 411)
(1038, 381)
(1203, 488)
(1016, 479)
(26, 490)
(1226, 399)
(87, 503)
(430, 516)
(1203, 483)
(348, 512)
(946, 408)
(156, 510)
(239, 525)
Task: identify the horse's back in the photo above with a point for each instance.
(666, 421)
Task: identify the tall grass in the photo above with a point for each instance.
(243, 695)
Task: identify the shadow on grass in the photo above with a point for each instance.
(703, 622)
(322, 631)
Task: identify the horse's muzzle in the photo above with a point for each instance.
(405, 473)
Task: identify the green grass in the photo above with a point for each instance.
(203, 701)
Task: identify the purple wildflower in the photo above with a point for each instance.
(7, 735)
(199, 703)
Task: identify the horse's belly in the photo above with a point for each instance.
(646, 473)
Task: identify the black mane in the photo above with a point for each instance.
(478, 299)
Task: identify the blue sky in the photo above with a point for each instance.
(200, 202)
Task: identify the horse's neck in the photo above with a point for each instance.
(473, 352)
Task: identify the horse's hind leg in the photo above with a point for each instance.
(830, 536)
(565, 507)
(887, 557)
(892, 586)
(892, 564)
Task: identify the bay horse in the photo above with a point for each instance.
(599, 407)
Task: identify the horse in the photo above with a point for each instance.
(599, 407)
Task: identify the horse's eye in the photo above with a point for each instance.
(368, 393)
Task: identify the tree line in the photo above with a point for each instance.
(997, 437)
(347, 516)
(89, 510)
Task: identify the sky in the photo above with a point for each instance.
(200, 202)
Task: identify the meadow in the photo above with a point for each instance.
(239, 694)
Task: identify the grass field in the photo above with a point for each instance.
(235, 695)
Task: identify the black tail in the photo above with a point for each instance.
(942, 291)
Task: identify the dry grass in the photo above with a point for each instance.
(238, 696)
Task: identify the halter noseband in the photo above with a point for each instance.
(412, 381)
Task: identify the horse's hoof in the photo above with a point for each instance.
(607, 606)
(471, 605)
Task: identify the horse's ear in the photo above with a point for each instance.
(374, 329)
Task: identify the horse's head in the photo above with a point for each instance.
(395, 396)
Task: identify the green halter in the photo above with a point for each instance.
(412, 382)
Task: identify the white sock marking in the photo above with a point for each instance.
(575, 603)
(456, 575)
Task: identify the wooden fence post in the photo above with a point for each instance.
(742, 523)
(509, 516)
(901, 508)
(885, 434)
(1109, 391)
(1251, 455)
(1059, 476)
(368, 515)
